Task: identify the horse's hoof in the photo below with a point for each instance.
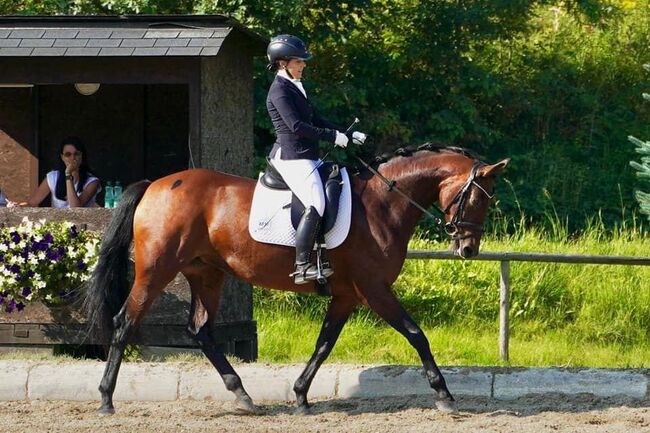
(246, 406)
(447, 406)
(303, 410)
(105, 411)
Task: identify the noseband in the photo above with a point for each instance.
(453, 227)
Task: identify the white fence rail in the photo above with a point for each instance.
(506, 258)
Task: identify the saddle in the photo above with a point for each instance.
(332, 180)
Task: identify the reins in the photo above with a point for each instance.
(452, 227)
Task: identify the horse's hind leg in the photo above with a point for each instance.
(206, 286)
(388, 307)
(144, 291)
(338, 313)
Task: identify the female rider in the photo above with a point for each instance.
(295, 153)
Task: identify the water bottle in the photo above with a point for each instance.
(117, 193)
(109, 196)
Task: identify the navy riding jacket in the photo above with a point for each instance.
(297, 125)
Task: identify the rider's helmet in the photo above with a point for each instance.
(286, 47)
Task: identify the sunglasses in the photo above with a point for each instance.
(69, 154)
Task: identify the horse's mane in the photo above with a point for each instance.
(432, 147)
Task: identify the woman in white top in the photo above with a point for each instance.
(72, 185)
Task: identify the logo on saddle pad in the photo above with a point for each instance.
(275, 211)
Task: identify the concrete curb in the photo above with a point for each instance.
(51, 380)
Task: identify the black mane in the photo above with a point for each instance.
(432, 147)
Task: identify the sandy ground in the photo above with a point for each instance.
(551, 413)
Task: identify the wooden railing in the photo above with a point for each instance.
(506, 258)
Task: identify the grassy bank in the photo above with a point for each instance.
(568, 315)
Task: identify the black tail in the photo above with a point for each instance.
(109, 287)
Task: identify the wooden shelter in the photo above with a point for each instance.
(148, 95)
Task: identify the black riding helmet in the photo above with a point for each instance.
(286, 47)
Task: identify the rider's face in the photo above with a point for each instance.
(295, 68)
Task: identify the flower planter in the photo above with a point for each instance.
(40, 324)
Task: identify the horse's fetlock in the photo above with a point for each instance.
(436, 381)
(232, 382)
(299, 386)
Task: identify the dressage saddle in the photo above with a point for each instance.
(332, 185)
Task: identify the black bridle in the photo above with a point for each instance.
(452, 227)
(456, 224)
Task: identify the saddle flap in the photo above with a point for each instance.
(270, 217)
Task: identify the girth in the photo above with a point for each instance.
(332, 184)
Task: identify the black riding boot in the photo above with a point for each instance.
(305, 239)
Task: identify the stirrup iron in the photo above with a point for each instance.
(323, 265)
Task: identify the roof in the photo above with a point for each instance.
(122, 36)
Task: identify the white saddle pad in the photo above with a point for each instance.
(270, 219)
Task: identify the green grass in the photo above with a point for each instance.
(565, 315)
(290, 338)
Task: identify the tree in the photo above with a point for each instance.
(642, 168)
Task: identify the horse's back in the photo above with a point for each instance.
(192, 194)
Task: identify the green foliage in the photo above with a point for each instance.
(549, 84)
(642, 168)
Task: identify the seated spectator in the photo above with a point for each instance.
(72, 185)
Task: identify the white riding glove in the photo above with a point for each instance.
(341, 140)
(358, 137)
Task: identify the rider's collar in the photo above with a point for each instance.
(297, 83)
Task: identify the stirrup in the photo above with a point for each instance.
(324, 269)
(305, 273)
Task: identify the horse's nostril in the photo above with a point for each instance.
(468, 251)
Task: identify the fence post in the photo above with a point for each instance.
(504, 295)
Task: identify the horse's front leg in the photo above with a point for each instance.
(338, 313)
(384, 303)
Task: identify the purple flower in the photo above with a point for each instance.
(10, 306)
(26, 291)
(39, 246)
(20, 306)
(48, 238)
(54, 254)
(14, 268)
(15, 237)
(2, 258)
(81, 265)
(73, 232)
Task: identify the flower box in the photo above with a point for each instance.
(58, 320)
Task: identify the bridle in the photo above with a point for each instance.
(456, 224)
(453, 227)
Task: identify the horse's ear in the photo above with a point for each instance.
(494, 169)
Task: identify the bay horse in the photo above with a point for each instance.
(196, 222)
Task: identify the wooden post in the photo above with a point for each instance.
(504, 332)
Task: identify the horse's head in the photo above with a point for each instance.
(464, 199)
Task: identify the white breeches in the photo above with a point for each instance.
(301, 175)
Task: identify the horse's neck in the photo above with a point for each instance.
(398, 216)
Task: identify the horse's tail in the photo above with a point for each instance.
(108, 286)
